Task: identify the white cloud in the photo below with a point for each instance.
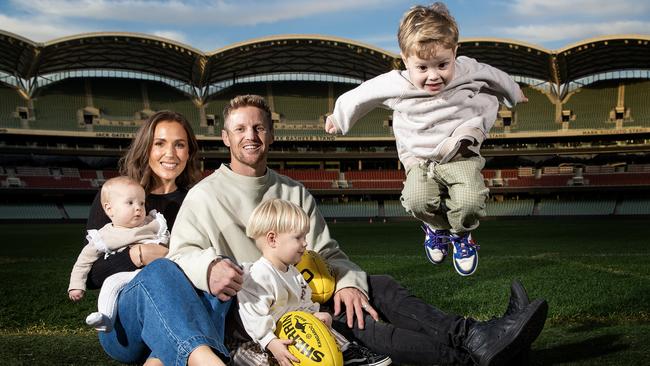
(173, 35)
(563, 32)
(245, 12)
(600, 8)
(39, 29)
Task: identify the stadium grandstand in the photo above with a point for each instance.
(69, 107)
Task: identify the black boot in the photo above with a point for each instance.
(518, 302)
(497, 341)
(518, 298)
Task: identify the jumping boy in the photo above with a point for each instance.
(443, 107)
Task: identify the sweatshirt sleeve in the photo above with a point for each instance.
(346, 272)
(190, 245)
(495, 81)
(356, 103)
(82, 266)
(255, 300)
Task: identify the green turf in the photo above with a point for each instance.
(593, 271)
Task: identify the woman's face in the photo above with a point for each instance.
(169, 154)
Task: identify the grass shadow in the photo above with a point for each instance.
(582, 351)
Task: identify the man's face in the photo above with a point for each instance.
(248, 136)
(434, 73)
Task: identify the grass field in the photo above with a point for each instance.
(594, 272)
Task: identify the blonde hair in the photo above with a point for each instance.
(423, 28)
(277, 215)
(248, 100)
(111, 185)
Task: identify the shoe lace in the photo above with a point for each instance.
(434, 240)
(466, 246)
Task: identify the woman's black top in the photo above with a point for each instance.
(167, 204)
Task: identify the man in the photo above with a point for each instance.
(210, 231)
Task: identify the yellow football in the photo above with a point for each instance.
(318, 275)
(313, 343)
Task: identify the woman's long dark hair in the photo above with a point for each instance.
(135, 163)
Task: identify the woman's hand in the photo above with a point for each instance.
(280, 351)
(143, 254)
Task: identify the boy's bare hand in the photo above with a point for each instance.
(326, 318)
(330, 126)
(278, 348)
(76, 295)
(522, 97)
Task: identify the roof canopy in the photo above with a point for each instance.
(26, 59)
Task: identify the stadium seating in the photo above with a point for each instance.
(536, 115)
(301, 101)
(592, 104)
(77, 211)
(522, 207)
(637, 99)
(633, 207)
(162, 96)
(582, 207)
(117, 99)
(30, 211)
(350, 210)
(9, 101)
(56, 105)
(394, 209)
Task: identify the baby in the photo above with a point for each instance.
(123, 201)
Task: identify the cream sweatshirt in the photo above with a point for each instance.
(212, 221)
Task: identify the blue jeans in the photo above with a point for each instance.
(160, 314)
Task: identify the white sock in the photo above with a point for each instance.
(107, 301)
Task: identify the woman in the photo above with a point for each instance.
(163, 158)
(161, 318)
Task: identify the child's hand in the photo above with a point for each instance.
(326, 318)
(76, 295)
(522, 97)
(330, 126)
(278, 348)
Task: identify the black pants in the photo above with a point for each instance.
(410, 330)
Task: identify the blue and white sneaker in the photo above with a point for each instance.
(436, 244)
(465, 254)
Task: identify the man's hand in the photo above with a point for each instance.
(278, 348)
(355, 304)
(225, 279)
(330, 126)
(76, 295)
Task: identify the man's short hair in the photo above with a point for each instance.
(248, 100)
(277, 215)
(423, 28)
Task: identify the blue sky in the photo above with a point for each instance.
(211, 24)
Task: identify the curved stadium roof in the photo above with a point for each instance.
(27, 59)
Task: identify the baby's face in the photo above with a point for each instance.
(434, 73)
(127, 206)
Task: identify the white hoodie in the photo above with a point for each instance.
(430, 127)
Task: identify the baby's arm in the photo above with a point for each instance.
(80, 271)
(76, 295)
